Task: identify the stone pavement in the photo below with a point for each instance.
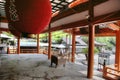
(36, 67)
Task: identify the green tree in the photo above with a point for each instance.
(85, 51)
(56, 36)
(109, 41)
(8, 34)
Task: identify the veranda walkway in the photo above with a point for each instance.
(36, 67)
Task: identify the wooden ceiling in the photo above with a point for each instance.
(2, 8)
(58, 5)
(73, 13)
(77, 15)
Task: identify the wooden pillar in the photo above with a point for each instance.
(18, 46)
(117, 55)
(49, 47)
(38, 46)
(66, 39)
(0, 38)
(8, 50)
(73, 47)
(69, 42)
(91, 41)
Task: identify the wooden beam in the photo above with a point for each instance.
(113, 16)
(91, 41)
(73, 47)
(68, 31)
(99, 31)
(76, 9)
(100, 34)
(49, 46)
(118, 23)
(77, 2)
(99, 19)
(113, 26)
(105, 34)
(67, 26)
(107, 30)
(112, 34)
(38, 46)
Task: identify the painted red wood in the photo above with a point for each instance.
(29, 16)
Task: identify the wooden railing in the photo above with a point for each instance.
(111, 73)
(28, 51)
(14, 51)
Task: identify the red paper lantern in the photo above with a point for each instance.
(29, 16)
(14, 31)
(19, 34)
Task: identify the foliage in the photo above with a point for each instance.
(8, 34)
(85, 39)
(85, 50)
(43, 35)
(109, 41)
(56, 36)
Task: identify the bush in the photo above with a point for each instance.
(85, 50)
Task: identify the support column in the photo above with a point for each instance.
(91, 41)
(8, 50)
(73, 47)
(66, 39)
(117, 55)
(49, 47)
(38, 46)
(18, 45)
(69, 42)
(0, 38)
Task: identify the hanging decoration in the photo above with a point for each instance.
(28, 16)
(14, 31)
(19, 34)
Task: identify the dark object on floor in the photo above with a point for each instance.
(57, 60)
(54, 60)
(118, 78)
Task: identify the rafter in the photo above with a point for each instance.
(118, 23)
(100, 19)
(101, 32)
(76, 9)
(113, 26)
